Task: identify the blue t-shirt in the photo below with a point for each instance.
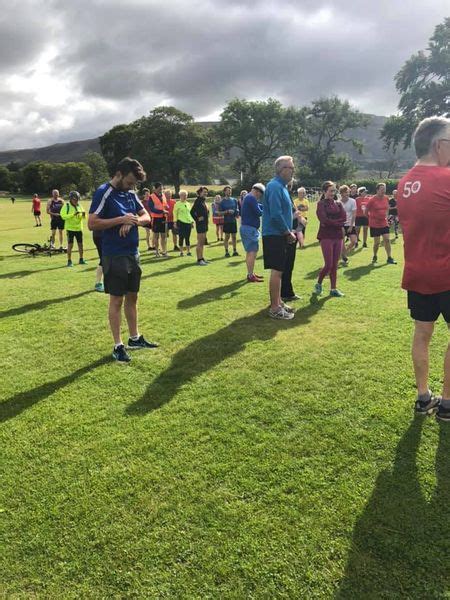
(277, 208)
(251, 211)
(229, 204)
(109, 203)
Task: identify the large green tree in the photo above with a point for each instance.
(5, 178)
(115, 144)
(327, 122)
(169, 143)
(257, 132)
(424, 87)
(98, 167)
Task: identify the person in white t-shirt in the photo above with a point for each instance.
(349, 205)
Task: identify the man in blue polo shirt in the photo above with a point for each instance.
(277, 233)
(251, 211)
(229, 209)
(117, 211)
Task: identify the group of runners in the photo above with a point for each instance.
(279, 215)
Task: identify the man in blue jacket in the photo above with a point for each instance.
(229, 209)
(251, 211)
(277, 233)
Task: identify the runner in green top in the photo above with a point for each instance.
(73, 214)
(184, 222)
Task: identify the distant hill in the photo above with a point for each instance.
(74, 151)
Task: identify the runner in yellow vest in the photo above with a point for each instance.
(72, 213)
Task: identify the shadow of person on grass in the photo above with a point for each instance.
(212, 295)
(20, 310)
(358, 272)
(14, 405)
(401, 542)
(18, 274)
(206, 353)
(180, 267)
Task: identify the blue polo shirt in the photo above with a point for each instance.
(277, 208)
(251, 211)
(229, 204)
(109, 203)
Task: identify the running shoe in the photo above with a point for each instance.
(291, 298)
(181, 253)
(176, 249)
(281, 314)
(121, 355)
(69, 263)
(391, 261)
(259, 276)
(188, 253)
(202, 263)
(374, 259)
(429, 406)
(253, 279)
(157, 254)
(345, 261)
(336, 294)
(227, 255)
(443, 414)
(287, 308)
(364, 245)
(99, 287)
(317, 289)
(82, 261)
(140, 343)
(235, 253)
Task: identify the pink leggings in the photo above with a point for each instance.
(331, 250)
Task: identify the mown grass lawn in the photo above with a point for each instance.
(245, 458)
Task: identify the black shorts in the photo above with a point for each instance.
(377, 231)
(37, 213)
(98, 240)
(56, 223)
(428, 307)
(230, 227)
(201, 227)
(121, 274)
(170, 225)
(274, 251)
(361, 221)
(349, 230)
(159, 225)
(71, 235)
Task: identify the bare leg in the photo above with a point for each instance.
(115, 306)
(52, 237)
(275, 289)
(233, 241)
(163, 242)
(99, 274)
(130, 309)
(60, 238)
(376, 245)
(365, 232)
(200, 244)
(421, 341)
(69, 251)
(387, 244)
(225, 243)
(250, 260)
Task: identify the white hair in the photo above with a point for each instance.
(279, 163)
(301, 189)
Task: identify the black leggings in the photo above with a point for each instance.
(184, 233)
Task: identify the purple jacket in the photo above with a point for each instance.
(331, 215)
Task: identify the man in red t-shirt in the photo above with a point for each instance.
(361, 219)
(377, 209)
(424, 210)
(36, 210)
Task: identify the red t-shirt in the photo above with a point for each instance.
(377, 209)
(360, 202)
(36, 204)
(423, 202)
(171, 205)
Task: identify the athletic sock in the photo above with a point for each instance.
(135, 337)
(445, 404)
(118, 345)
(424, 397)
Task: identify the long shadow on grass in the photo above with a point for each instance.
(207, 352)
(183, 265)
(20, 310)
(358, 272)
(18, 274)
(218, 293)
(13, 406)
(401, 542)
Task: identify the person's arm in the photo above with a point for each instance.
(276, 212)
(325, 220)
(65, 212)
(48, 208)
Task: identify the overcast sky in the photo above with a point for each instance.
(71, 70)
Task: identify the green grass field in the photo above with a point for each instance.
(245, 458)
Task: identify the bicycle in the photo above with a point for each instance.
(35, 249)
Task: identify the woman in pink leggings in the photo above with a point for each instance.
(331, 215)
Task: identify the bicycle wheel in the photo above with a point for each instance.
(25, 248)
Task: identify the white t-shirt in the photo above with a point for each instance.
(349, 207)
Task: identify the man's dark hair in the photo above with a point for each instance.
(157, 185)
(200, 189)
(131, 165)
(427, 132)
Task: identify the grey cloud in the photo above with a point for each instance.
(198, 55)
